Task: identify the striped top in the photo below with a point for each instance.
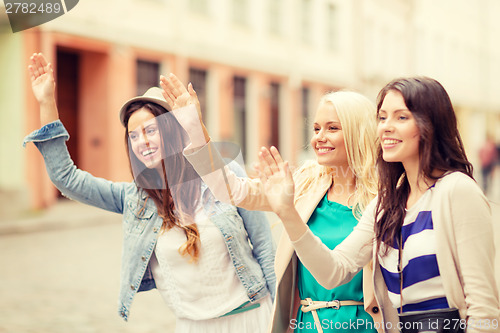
(422, 283)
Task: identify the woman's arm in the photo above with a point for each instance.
(472, 228)
(50, 140)
(259, 232)
(43, 85)
(204, 155)
(180, 98)
(330, 268)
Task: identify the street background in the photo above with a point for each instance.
(60, 273)
(259, 68)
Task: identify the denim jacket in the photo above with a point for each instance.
(253, 264)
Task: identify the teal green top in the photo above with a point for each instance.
(332, 223)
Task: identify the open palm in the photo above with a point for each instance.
(177, 95)
(42, 78)
(277, 180)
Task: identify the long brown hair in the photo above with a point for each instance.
(440, 148)
(176, 192)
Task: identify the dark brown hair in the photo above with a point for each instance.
(176, 192)
(440, 148)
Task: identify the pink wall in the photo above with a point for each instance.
(107, 77)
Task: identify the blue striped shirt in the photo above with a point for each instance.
(422, 284)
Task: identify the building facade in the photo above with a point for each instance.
(259, 68)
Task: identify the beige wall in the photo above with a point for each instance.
(13, 75)
(11, 106)
(451, 40)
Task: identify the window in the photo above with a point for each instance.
(275, 17)
(198, 77)
(274, 114)
(198, 6)
(239, 102)
(331, 26)
(306, 6)
(306, 132)
(148, 75)
(240, 11)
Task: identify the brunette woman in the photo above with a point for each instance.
(332, 192)
(211, 262)
(429, 232)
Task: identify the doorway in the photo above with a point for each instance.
(67, 97)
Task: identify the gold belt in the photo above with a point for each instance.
(308, 305)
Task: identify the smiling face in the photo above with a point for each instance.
(398, 131)
(328, 139)
(145, 139)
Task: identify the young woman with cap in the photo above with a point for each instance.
(211, 262)
(332, 192)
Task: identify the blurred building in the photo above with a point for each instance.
(259, 68)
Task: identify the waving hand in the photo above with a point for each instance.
(43, 85)
(277, 179)
(180, 98)
(279, 187)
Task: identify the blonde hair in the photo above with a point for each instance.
(357, 115)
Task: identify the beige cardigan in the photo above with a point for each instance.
(286, 303)
(249, 194)
(464, 250)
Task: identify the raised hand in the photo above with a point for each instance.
(176, 94)
(43, 85)
(42, 78)
(178, 97)
(279, 187)
(277, 179)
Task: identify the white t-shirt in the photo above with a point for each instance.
(203, 290)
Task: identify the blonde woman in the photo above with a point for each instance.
(332, 192)
(429, 232)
